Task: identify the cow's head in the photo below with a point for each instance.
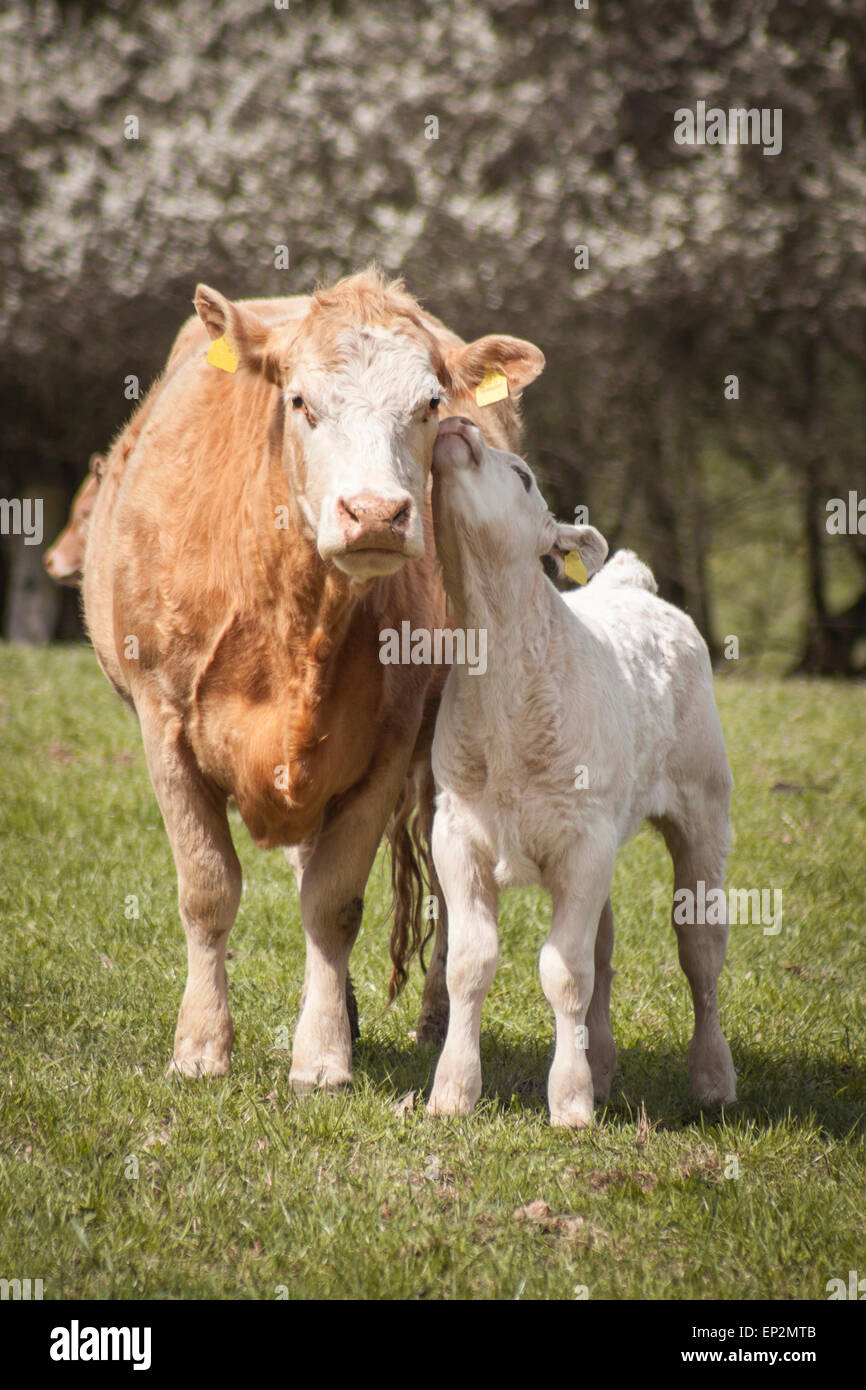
(361, 380)
(65, 560)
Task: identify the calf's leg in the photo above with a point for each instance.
(209, 887)
(579, 889)
(698, 847)
(473, 950)
(601, 1048)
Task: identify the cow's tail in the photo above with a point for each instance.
(411, 862)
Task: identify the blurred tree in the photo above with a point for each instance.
(472, 147)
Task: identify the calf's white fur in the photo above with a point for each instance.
(610, 679)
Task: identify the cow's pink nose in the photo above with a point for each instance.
(366, 516)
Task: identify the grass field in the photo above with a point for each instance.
(118, 1183)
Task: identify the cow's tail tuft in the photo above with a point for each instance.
(409, 841)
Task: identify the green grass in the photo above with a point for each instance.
(241, 1188)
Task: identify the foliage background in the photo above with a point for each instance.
(306, 127)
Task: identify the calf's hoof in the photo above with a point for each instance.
(192, 1065)
(304, 1082)
(570, 1101)
(453, 1097)
(575, 1114)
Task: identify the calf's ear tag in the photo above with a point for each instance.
(221, 354)
(493, 387)
(575, 569)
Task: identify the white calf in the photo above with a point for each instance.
(596, 711)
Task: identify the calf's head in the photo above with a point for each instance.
(490, 515)
(361, 378)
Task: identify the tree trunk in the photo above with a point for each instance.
(33, 600)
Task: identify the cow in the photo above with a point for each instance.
(268, 524)
(610, 683)
(64, 561)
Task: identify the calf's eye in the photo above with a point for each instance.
(524, 478)
(436, 402)
(298, 402)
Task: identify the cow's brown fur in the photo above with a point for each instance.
(252, 654)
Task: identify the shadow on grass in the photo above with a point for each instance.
(771, 1086)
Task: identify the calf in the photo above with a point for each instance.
(596, 711)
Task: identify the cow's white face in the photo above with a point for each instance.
(358, 444)
(361, 376)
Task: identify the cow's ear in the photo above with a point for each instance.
(248, 336)
(517, 360)
(588, 543)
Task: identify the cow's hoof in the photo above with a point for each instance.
(192, 1067)
(603, 1069)
(714, 1081)
(432, 1027)
(304, 1083)
(722, 1091)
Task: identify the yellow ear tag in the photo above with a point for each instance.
(575, 569)
(494, 387)
(221, 354)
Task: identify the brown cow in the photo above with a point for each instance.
(269, 524)
(65, 560)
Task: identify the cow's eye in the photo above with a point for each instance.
(524, 478)
(298, 402)
(435, 402)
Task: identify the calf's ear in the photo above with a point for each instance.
(517, 360)
(585, 541)
(253, 343)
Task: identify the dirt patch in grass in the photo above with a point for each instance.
(577, 1228)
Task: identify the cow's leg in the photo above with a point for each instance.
(473, 950)
(698, 846)
(297, 855)
(209, 888)
(601, 1049)
(579, 888)
(433, 1019)
(332, 903)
